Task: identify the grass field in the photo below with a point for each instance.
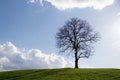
(62, 74)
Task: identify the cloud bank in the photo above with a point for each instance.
(70, 4)
(11, 58)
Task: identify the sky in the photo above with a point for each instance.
(28, 28)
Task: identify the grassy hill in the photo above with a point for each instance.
(62, 74)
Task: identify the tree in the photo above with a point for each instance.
(76, 36)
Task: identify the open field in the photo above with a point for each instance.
(62, 74)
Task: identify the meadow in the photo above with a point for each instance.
(62, 74)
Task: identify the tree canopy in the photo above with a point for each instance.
(76, 36)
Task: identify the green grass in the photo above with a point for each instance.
(62, 74)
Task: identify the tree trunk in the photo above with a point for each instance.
(76, 63)
(76, 59)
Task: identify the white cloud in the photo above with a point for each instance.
(70, 4)
(31, 1)
(11, 58)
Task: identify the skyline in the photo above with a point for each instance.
(28, 27)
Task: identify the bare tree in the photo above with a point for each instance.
(77, 37)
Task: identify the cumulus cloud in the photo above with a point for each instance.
(70, 4)
(11, 58)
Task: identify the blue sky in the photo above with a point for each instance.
(32, 25)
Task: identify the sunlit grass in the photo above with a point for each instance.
(62, 74)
